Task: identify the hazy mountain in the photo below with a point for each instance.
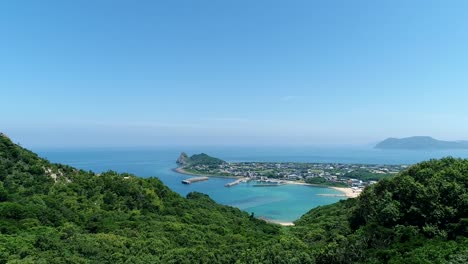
(420, 142)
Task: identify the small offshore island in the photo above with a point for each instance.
(350, 179)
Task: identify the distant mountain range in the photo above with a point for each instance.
(420, 142)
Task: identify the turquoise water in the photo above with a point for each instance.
(280, 203)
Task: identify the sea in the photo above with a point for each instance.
(284, 203)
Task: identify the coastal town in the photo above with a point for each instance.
(356, 176)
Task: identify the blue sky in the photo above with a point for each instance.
(133, 73)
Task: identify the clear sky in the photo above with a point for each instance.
(132, 73)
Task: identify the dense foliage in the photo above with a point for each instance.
(51, 213)
(366, 175)
(418, 216)
(204, 159)
(323, 181)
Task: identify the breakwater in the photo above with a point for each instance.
(194, 179)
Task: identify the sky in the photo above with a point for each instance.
(244, 72)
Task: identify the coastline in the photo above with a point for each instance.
(347, 192)
(280, 223)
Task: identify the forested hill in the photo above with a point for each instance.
(199, 159)
(418, 216)
(52, 213)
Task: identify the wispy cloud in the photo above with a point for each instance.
(289, 98)
(228, 119)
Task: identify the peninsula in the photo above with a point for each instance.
(348, 178)
(420, 142)
(188, 165)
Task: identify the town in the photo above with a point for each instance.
(330, 174)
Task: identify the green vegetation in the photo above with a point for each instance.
(418, 216)
(82, 217)
(199, 159)
(51, 213)
(205, 160)
(325, 182)
(366, 175)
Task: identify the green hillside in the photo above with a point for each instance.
(205, 159)
(52, 213)
(198, 159)
(418, 216)
(82, 217)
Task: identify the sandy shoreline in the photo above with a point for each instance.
(280, 223)
(347, 192)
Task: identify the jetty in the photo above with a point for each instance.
(235, 182)
(194, 179)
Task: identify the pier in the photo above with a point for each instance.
(195, 179)
(234, 182)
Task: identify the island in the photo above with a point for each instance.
(419, 143)
(348, 178)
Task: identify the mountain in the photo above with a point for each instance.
(53, 213)
(183, 159)
(198, 159)
(417, 216)
(420, 142)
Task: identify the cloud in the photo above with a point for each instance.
(228, 119)
(288, 98)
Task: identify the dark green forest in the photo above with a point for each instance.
(204, 159)
(53, 213)
(366, 175)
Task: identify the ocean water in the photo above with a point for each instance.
(281, 203)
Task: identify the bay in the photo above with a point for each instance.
(281, 203)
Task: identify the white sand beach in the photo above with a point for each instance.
(278, 222)
(348, 192)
